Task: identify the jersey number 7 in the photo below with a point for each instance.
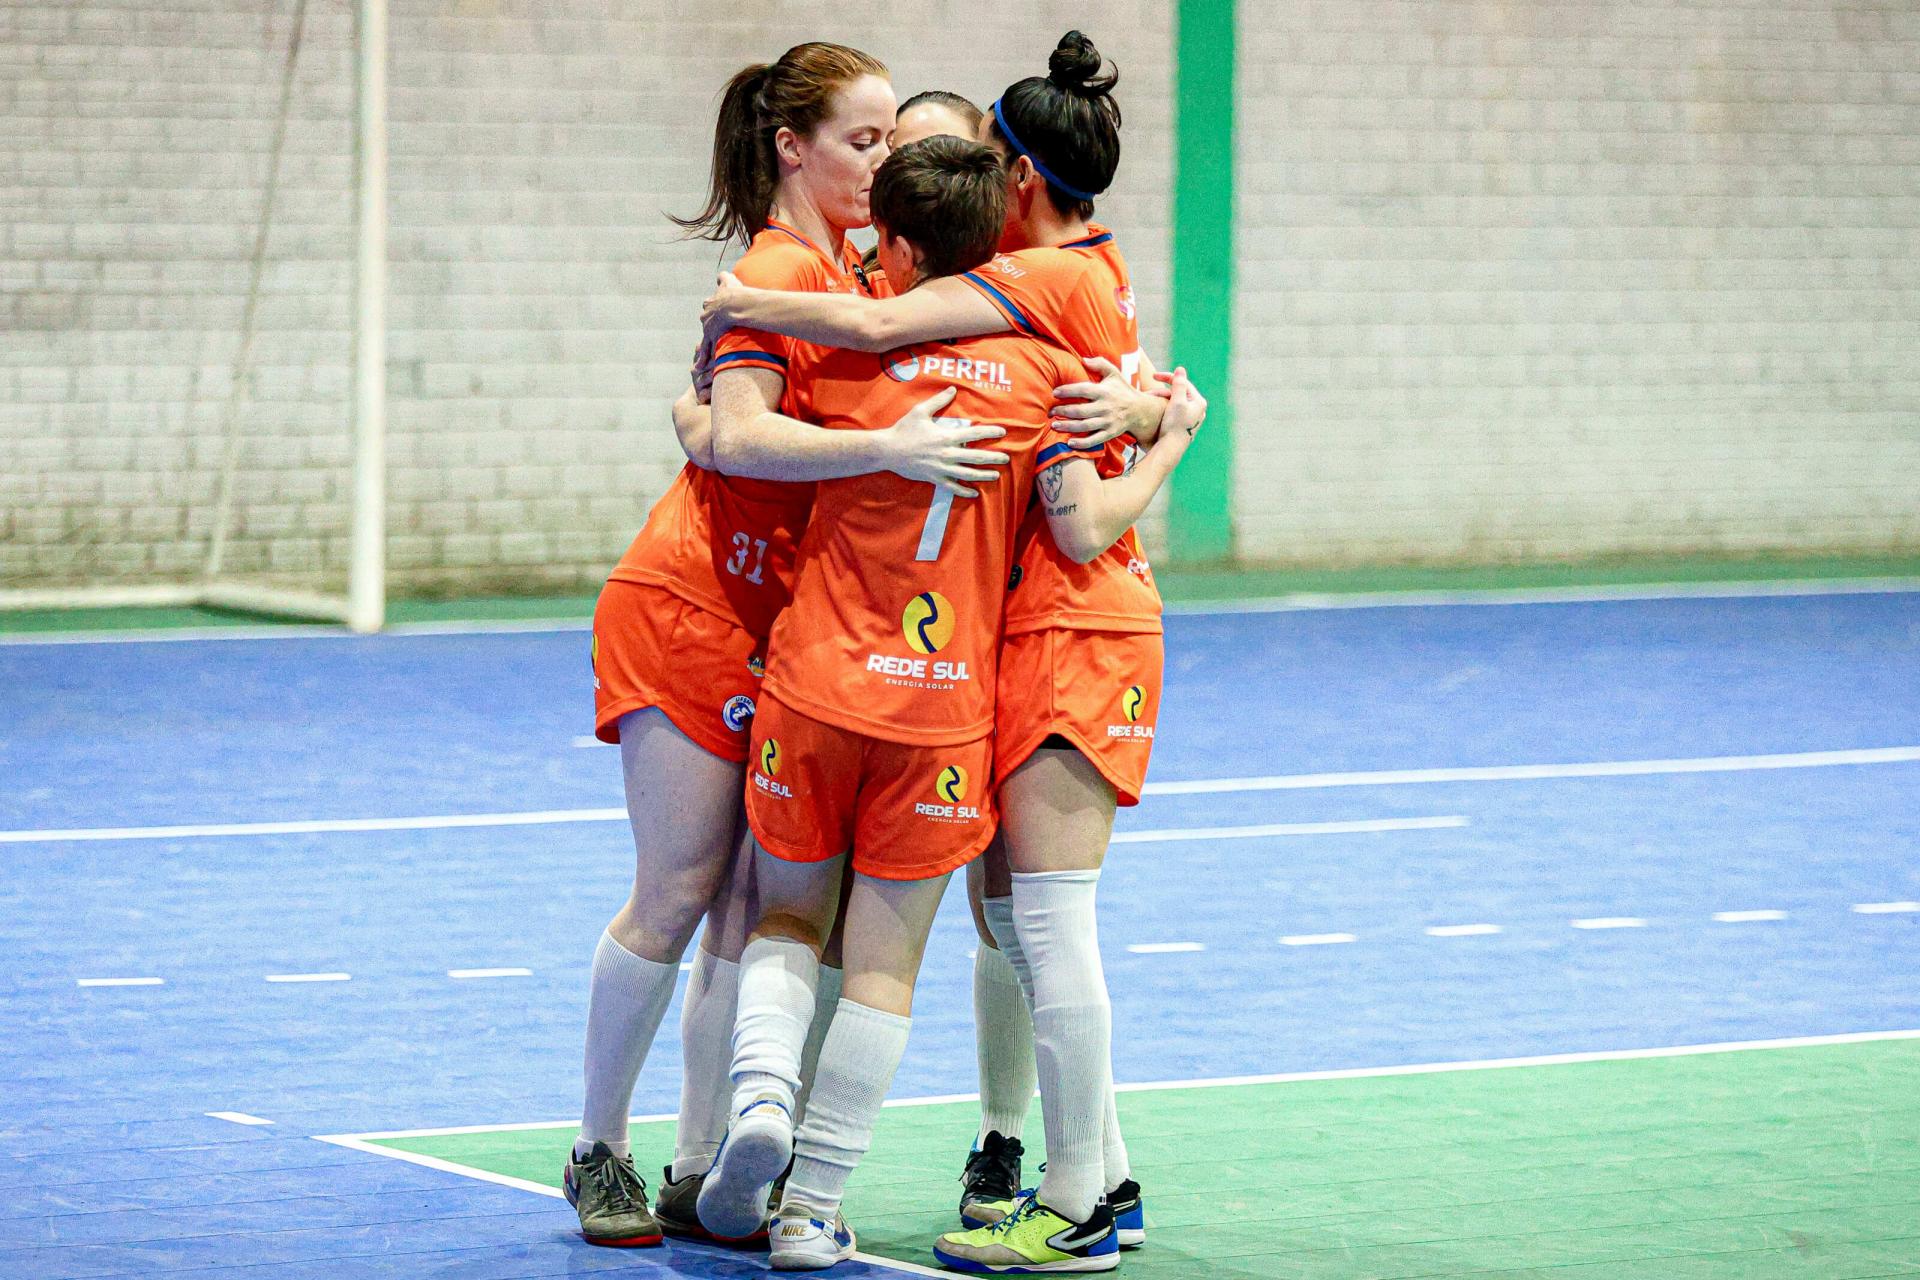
(934, 532)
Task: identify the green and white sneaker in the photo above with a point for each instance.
(1034, 1239)
(611, 1199)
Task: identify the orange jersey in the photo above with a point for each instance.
(897, 604)
(724, 543)
(1076, 295)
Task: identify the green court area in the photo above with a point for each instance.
(1745, 1165)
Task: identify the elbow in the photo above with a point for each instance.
(1078, 544)
(876, 332)
(724, 454)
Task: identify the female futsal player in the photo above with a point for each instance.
(1083, 629)
(868, 747)
(680, 629)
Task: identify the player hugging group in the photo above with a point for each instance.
(891, 616)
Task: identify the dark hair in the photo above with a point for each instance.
(795, 92)
(1067, 122)
(953, 102)
(948, 197)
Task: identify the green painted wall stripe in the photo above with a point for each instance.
(1200, 506)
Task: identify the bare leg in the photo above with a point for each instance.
(681, 802)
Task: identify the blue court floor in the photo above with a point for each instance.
(238, 873)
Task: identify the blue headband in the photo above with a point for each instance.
(1053, 179)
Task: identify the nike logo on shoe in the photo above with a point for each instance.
(1078, 1237)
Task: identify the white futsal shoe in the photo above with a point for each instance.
(798, 1242)
(758, 1145)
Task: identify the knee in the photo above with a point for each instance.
(659, 923)
(793, 926)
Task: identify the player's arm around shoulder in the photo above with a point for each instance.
(1087, 514)
(944, 308)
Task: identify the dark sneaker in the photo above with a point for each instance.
(991, 1181)
(612, 1200)
(1129, 1214)
(1034, 1240)
(675, 1208)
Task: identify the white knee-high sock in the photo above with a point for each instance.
(1053, 911)
(706, 1048)
(1003, 1037)
(1118, 1167)
(999, 913)
(826, 998)
(626, 999)
(777, 978)
(857, 1062)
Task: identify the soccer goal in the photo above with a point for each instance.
(223, 406)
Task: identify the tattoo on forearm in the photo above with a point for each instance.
(1067, 510)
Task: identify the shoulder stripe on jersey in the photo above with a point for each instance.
(1053, 451)
(767, 356)
(1019, 316)
(1091, 242)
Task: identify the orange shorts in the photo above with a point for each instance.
(1100, 690)
(816, 790)
(653, 649)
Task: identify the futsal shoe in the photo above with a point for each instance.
(799, 1242)
(1033, 1240)
(611, 1199)
(990, 1183)
(676, 1209)
(1129, 1214)
(732, 1201)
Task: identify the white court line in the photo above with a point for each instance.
(1738, 589)
(1164, 948)
(238, 1117)
(1288, 829)
(1203, 786)
(120, 982)
(1884, 908)
(1609, 922)
(315, 826)
(1316, 939)
(1462, 930)
(361, 1142)
(1534, 772)
(489, 973)
(1747, 917)
(309, 977)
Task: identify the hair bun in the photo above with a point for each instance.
(1075, 66)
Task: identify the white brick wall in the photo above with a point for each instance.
(1576, 277)
(542, 314)
(1516, 280)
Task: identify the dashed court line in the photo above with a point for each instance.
(1476, 930)
(309, 977)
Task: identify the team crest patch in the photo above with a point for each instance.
(757, 667)
(737, 712)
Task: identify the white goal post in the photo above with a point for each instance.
(363, 607)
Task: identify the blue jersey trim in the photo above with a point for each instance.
(768, 356)
(1053, 451)
(1019, 316)
(1091, 242)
